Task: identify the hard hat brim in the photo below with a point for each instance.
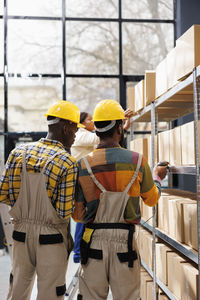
(80, 125)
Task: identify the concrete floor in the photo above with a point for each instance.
(5, 267)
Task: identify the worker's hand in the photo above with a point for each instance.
(128, 114)
(160, 170)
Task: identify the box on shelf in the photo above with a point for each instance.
(175, 146)
(171, 69)
(139, 96)
(163, 212)
(161, 262)
(146, 247)
(140, 145)
(190, 282)
(187, 144)
(188, 52)
(131, 97)
(163, 145)
(180, 224)
(175, 268)
(149, 290)
(190, 224)
(144, 278)
(161, 78)
(149, 87)
(162, 296)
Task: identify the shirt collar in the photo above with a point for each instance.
(52, 142)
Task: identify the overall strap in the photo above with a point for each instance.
(100, 186)
(24, 160)
(50, 159)
(135, 174)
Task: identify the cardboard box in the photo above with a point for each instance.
(149, 87)
(175, 269)
(175, 146)
(144, 278)
(163, 144)
(161, 262)
(190, 224)
(161, 78)
(150, 290)
(188, 52)
(163, 212)
(195, 231)
(131, 97)
(171, 69)
(139, 96)
(146, 247)
(180, 227)
(162, 296)
(147, 213)
(190, 282)
(187, 144)
(140, 145)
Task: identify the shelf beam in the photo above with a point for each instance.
(176, 245)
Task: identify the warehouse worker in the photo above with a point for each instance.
(85, 142)
(111, 180)
(39, 184)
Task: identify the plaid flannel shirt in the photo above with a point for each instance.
(61, 174)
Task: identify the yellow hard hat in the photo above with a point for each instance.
(65, 110)
(108, 110)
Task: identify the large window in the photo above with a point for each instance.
(145, 45)
(147, 9)
(80, 50)
(88, 91)
(1, 105)
(28, 101)
(92, 9)
(42, 8)
(92, 47)
(34, 46)
(1, 45)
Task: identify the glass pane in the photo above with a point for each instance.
(1, 104)
(43, 8)
(1, 46)
(1, 8)
(145, 45)
(86, 92)
(145, 9)
(36, 45)
(29, 100)
(92, 48)
(92, 9)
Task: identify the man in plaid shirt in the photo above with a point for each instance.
(39, 183)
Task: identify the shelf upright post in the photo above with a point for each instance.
(154, 122)
(196, 89)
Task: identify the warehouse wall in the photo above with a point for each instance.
(187, 14)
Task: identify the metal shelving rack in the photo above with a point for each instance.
(182, 99)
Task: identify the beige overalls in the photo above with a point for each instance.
(110, 255)
(40, 241)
